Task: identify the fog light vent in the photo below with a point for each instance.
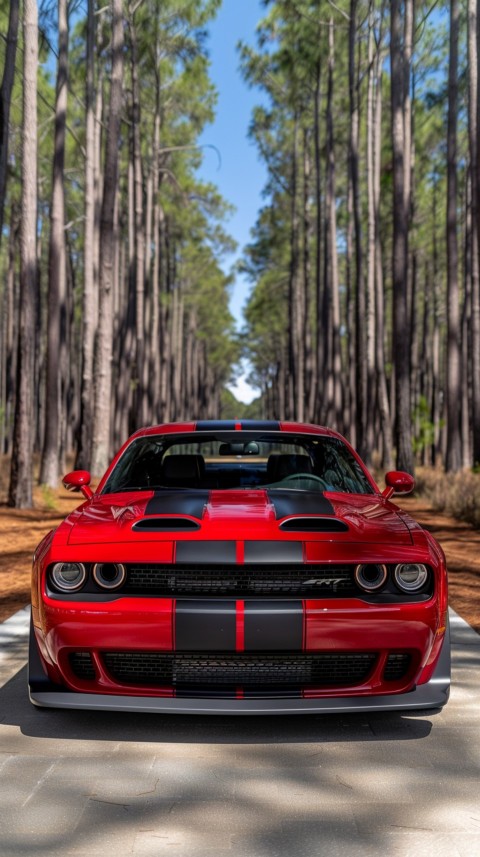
(82, 665)
(397, 666)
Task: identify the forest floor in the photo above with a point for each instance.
(22, 530)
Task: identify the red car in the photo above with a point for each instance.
(246, 567)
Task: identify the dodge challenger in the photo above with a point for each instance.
(239, 567)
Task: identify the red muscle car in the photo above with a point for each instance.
(248, 567)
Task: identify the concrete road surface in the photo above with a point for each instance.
(92, 783)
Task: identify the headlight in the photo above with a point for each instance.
(370, 577)
(109, 575)
(68, 576)
(411, 576)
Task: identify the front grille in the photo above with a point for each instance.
(314, 581)
(82, 666)
(397, 666)
(251, 671)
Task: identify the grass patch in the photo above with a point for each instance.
(49, 498)
(458, 494)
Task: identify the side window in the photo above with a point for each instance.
(341, 471)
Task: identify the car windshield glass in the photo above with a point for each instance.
(240, 461)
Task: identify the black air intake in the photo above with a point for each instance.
(81, 664)
(256, 671)
(313, 525)
(156, 525)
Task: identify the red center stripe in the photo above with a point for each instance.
(240, 552)
(240, 627)
(238, 426)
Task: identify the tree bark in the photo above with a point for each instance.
(332, 333)
(9, 341)
(5, 99)
(103, 354)
(371, 236)
(401, 351)
(140, 391)
(382, 387)
(317, 389)
(360, 339)
(89, 297)
(454, 451)
(296, 392)
(473, 126)
(20, 489)
(57, 273)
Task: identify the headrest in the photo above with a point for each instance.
(184, 467)
(279, 465)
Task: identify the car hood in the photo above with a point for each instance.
(237, 514)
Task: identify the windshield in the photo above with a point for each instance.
(241, 460)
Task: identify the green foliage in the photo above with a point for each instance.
(424, 427)
(49, 498)
(232, 409)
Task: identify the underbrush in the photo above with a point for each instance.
(458, 494)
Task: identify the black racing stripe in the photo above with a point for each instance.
(273, 626)
(202, 552)
(179, 502)
(274, 552)
(299, 503)
(260, 425)
(215, 425)
(205, 626)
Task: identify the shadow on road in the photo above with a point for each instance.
(16, 710)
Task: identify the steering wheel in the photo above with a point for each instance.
(304, 477)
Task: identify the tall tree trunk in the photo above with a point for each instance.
(466, 373)
(360, 339)
(9, 330)
(89, 297)
(371, 242)
(5, 99)
(382, 387)
(473, 127)
(103, 353)
(401, 351)
(454, 451)
(306, 334)
(317, 389)
(140, 391)
(20, 489)
(295, 406)
(155, 268)
(436, 395)
(332, 333)
(57, 273)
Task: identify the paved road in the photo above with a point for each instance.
(91, 783)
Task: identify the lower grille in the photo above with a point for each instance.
(315, 581)
(82, 666)
(250, 671)
(397, 666)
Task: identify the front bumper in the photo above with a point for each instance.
(432, 695)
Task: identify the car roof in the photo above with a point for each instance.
(209, 426)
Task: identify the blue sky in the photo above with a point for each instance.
(241, 176)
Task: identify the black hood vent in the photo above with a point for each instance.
(157, 525)
(313, 525)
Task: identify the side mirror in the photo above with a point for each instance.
(398, 482)
(78, 480)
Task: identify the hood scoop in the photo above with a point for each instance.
(313, 525)
(164, 524)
